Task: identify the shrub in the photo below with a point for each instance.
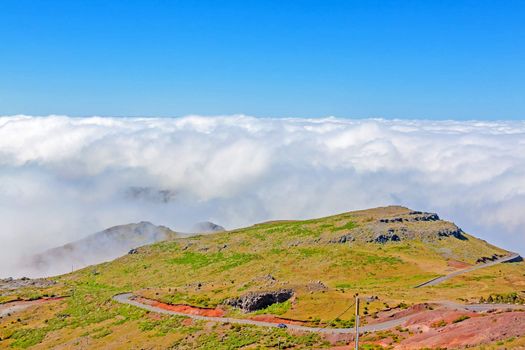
(461, 319)
(439, 324)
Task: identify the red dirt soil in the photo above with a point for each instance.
(479, 329)
(216, 312)
(458, 264)
(396, 313)
(185, 309)
(428, 319)
(34, 301)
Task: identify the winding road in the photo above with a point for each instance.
(441, 279)
(128, 298)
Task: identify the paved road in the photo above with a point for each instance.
(127, 298)
(441, 279)
(478, 307)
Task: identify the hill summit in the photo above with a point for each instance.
(98, 247)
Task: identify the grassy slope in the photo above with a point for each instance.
(231, 263)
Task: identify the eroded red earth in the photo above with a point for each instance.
(212, 312)
(480, 328)
(182, 308)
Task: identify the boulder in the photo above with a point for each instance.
(342, 239)
(254, 301)
(455, 232)
(486, 259)
(316, 286)
(386, 238)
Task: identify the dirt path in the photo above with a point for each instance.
(441, 279)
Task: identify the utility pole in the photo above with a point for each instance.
(357, 322)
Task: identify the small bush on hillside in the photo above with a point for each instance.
(461, 319)
(439, 324)
(508, 298)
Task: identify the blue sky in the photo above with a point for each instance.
(392, 59)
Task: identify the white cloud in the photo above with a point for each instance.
(62, 178)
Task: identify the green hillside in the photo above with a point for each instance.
(379, 253)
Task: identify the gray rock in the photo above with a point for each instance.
(421, 216)
(259, 300)
(456, 233)
(294, 244)
(516, 259)
(411, 217)
(371, 298)
(13, 284)
(342, 239)
(486, 259)
(316, 286)
(384, 238)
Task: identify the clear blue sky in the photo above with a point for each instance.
(394, 59)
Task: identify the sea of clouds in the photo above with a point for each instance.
(62, 178)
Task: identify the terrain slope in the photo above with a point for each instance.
(303, 273)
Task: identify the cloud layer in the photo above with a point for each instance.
(62, 178)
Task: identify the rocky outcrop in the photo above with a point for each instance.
(422, 216)
(259, 300)
(486, 259)
(384, 238)
(342, 239)
(516, 259)
(422, 227)
(316, 286)
(12, 283)
(452, 232)
(413, 216)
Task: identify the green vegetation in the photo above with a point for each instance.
(167, 324)
(439, 324)
(198, 260)
(461, 319)
(347, 226)
(504, 298)
(275, 309)
(194, 300)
